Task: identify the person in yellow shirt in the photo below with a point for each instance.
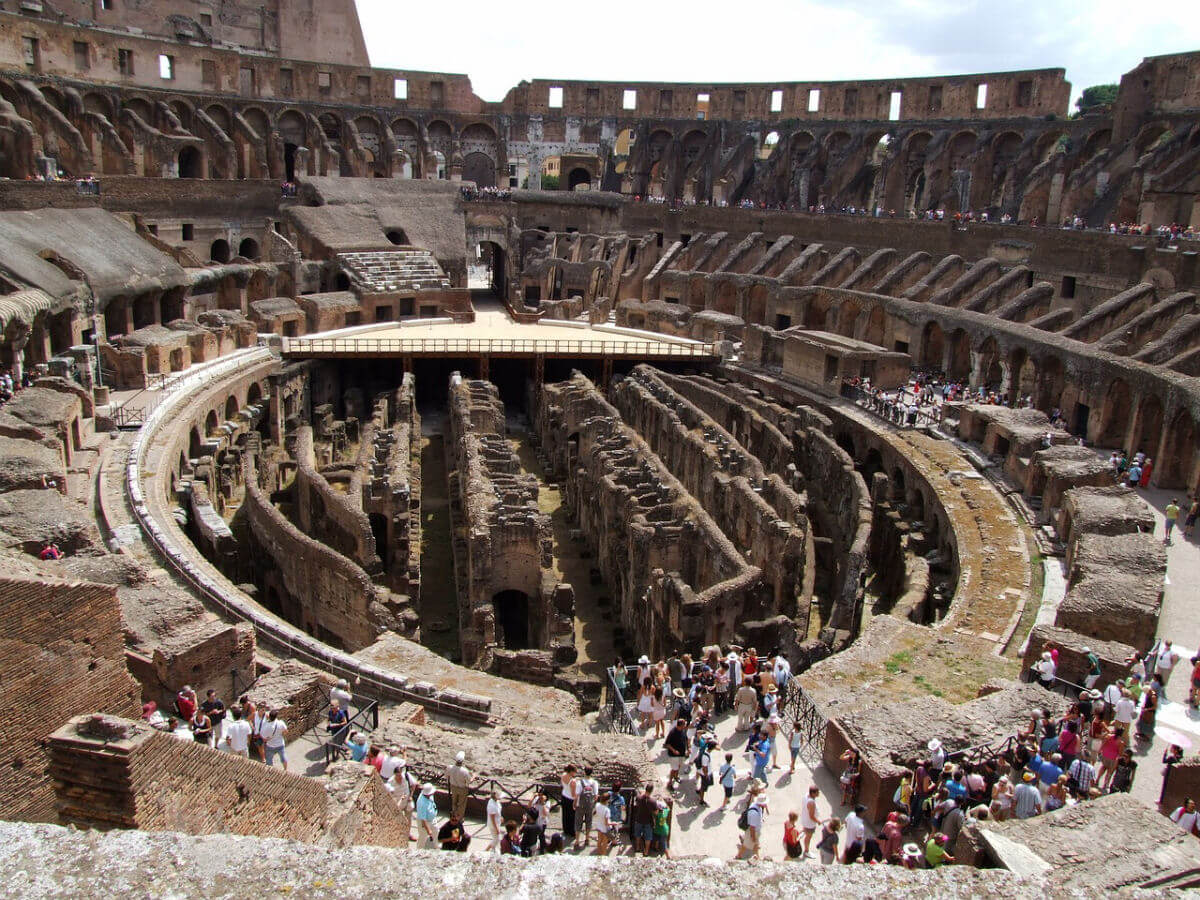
(1172, 514)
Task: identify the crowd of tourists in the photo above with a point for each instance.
(9, 386)
(289, 189)
(485, 193)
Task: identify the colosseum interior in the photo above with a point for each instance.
(315, 379)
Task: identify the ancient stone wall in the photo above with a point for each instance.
(508, 598)
(63, 655)
(334, 517)
(115, 773)
(680, 582)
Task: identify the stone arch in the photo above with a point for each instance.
(190, 163)
(258, 287)
(848, 313)
(221, 116)
(1114, 414)
(838, 142)
(248, 249)
(725, 297)
(194, 443)
(100, 104)
(961, 146)
(1149, 135)
(1096, 141)
(876, 326)
(959, 364)
(579, 177)
(140, 107)
(756, 305)
(258, 120)
(331, 127)
(231, 408)
(1148, 426)
(1047, 145)
(770, 142)
(211, 423)
(1022, 374)
(441, 136)
(933, 346)
(989, 372)
(479, 168)
(816, 313)
(693, 145)
(183, 112)
(1174, 468)
(254, 394)
(1050, 383)
(219, 251)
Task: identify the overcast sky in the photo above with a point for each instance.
(501, 44)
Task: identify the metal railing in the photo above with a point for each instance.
(1068, 689)
(334, 746)
(133, 410)
(618, 716)
(796, 706)
(890, 410)
(351, 346)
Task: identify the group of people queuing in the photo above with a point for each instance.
(1134, 471)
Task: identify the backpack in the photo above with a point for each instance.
(586, 801)
(744, 819)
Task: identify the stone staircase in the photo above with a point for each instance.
(393, 271)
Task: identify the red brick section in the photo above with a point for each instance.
(61, 653)
(115, 773)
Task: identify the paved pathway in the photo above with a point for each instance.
(1181, 625)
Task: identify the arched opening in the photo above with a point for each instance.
(397, 237)
(579, 179)
(248, 248)
(211, 423)
(933, 346)
(254, 395)
(342, 281)
(144, 308)
(991, 374)
(492, 255)
(479, 168)
(439, 160)
(872, 464)
(189, 163)
(960, 356)
(512, 619)
(1051, 381)
(289, 161)
(1021, 374)
(379, 529)
(1175, 467)
(403, 165)
(1114, 420)
(874, 331)
(1149, 427)
(219, 252)
(726, 300)
(194, 442)
(231, 408)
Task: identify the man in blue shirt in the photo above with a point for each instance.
(1049, 773)
(426, 813)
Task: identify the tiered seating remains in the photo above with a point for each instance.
(393, 271)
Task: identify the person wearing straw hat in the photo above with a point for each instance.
(1027, 800)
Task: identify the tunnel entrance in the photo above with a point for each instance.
(512, 619)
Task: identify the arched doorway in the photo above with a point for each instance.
(219, 252)
(211, 423)
(1174, 468)
(512, 619)
(189, 163)
(959, 368)
(491, 254)
(231, 408)
(479, 168)
(1149, 427)
(397, 236)
(1114, 418)
(933, 346)
(248, 248)
(579, 178)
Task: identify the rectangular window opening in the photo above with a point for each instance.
(188, 231)
(776, 101)
(287, 81)
(1068, 287)
(400, 89)
(83, 60)
(324, 82)
(108, 4)
(206, 20)
(629, 99)
(362, 86)
(556, 98)
(894, 106)
(125, 62)
(30, 46)
(702, 106)
(208, 72)
(981, 97)
(814, 100)
(166, 67)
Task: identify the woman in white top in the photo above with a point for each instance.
(645, 704)
(495, 821)
(602, 822)
(658, 712)
(1002, 799)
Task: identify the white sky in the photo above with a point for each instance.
(499, 45)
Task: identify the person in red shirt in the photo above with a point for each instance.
(185, 703)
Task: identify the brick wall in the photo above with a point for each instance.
(110, 772)
(61, 654)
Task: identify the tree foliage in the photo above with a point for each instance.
(1094, 96)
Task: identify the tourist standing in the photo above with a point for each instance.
(570, 791)
(458, 777)
(235, 733)
(810, 821)
(827, 846)
(676, 745)
(585, 807)
(495, 821)
(745, 702)
(274, 731)
(426, 813)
